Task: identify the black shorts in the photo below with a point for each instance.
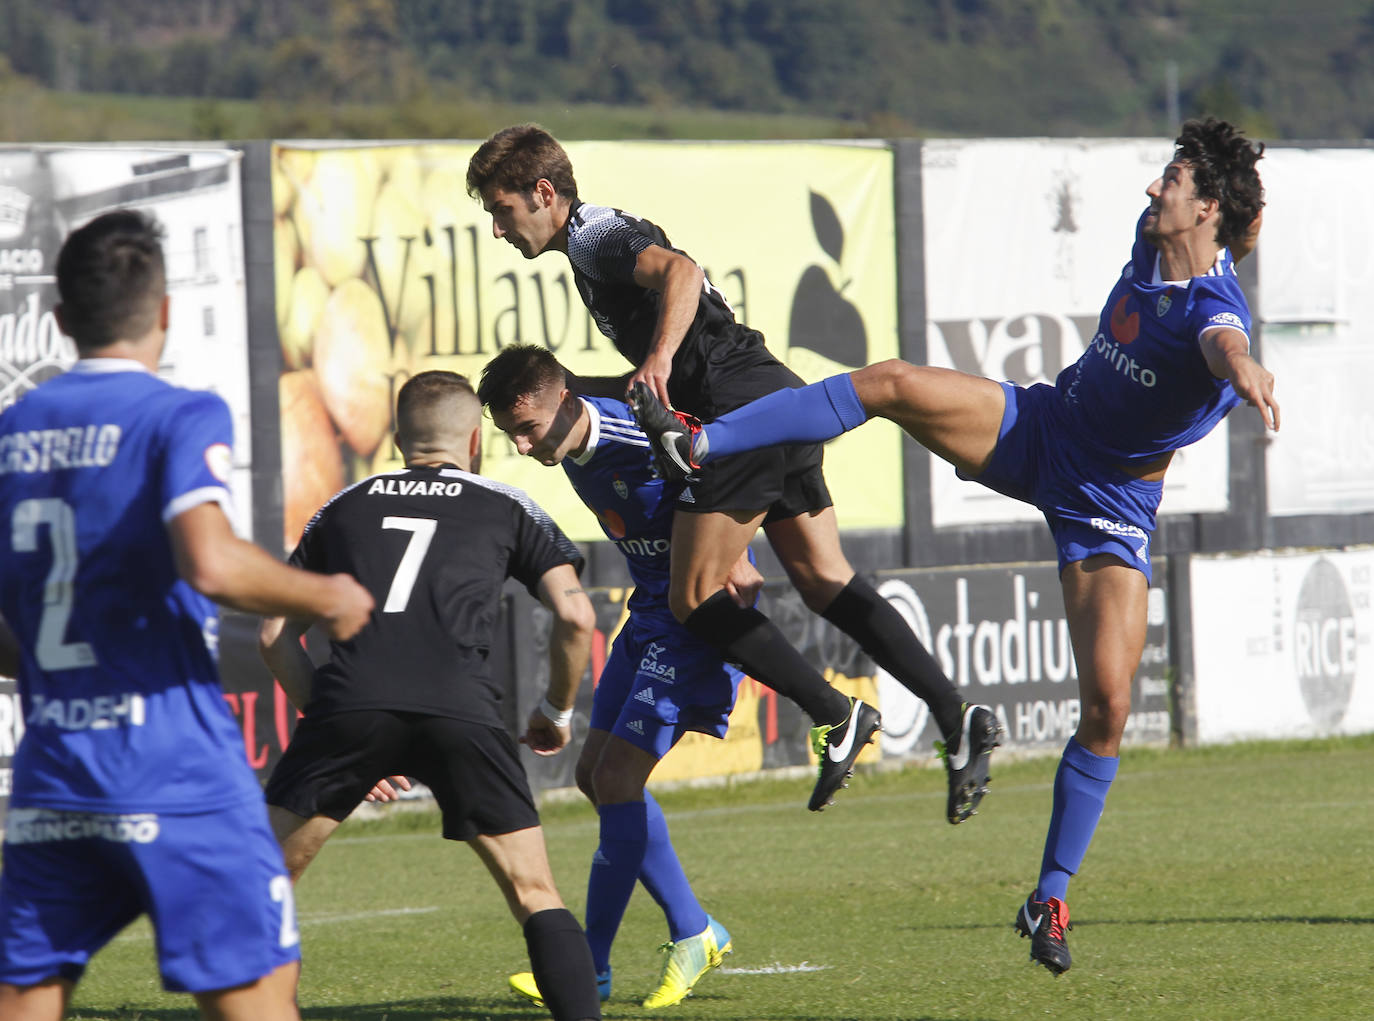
(473, 769)
(731, 371)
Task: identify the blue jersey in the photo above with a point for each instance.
(614, 476)
(1143, 388)
(122, 703)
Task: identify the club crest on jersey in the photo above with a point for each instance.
(1165, 303)
(621, 490)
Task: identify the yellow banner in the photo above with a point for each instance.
(385, 267)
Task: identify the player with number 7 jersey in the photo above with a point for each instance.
(412, 694)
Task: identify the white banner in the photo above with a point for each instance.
(1281, 644)
(1024, 239)
(1317, 303)
(46, 192)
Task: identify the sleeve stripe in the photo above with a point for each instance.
(196, 497)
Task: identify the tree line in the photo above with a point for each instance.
(896, 67)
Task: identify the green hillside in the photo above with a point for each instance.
(735, 68)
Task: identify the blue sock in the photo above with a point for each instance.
(663, 877)
(1080, 791)
(809, 414)
(615, 869)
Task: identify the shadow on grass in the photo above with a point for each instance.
(1217, 920)
(457, 1008)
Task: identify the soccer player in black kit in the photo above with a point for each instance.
(411, 694)
(659, 310)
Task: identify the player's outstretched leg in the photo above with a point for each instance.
(686, 961)
(807, 414)
(968, 757)
(1045, 922)
(837, 746)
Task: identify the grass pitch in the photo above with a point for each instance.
(1223, 883)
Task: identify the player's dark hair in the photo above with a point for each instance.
(426, 388)
(111, 278)
(517, 372)
(516, 158)
(1223, 164)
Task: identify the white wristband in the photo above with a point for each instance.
(558, 717)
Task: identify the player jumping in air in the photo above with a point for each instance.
(659, 310)
(1171, 356)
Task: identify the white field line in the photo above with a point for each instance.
(775, 969)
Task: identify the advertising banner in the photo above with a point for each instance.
(1282, 644)
(46, 192)
(1317, 300)
(194, 193)
(1024, 239)
(386, 267)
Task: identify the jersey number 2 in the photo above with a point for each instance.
(421, 533)
(51, 650)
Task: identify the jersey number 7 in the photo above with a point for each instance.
(421, 533)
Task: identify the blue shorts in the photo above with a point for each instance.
(1091, 505)
(213, 885)
(659, 683)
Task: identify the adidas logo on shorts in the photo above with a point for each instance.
(637, 726)
(686, 496)
(599, 859)
(645, 695)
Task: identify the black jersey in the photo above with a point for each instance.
(433, 546)
(603, 246)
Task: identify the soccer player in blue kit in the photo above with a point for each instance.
(658, 682)
(131, 790)
(1171, 356)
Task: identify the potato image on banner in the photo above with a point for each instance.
(334, 214)
(386, 457)
(306, 296)
(296, 164)
(283, 190)
(312, 467)
(286, 252)
(352, 356)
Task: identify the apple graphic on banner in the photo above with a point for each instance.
(822, 319)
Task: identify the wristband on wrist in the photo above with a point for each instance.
(558, 717)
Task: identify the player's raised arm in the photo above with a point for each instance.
(679, 281)
(236, 573)
(1228, 356)
(570, 647)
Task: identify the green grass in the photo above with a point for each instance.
(1223, 883)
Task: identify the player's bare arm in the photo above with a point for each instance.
(570, 648)
(679, 280)
(235, 573)
(279, 644)
(1228, 356)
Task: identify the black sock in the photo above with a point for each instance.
(562, 965)
(865, 616)
(753, 641)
